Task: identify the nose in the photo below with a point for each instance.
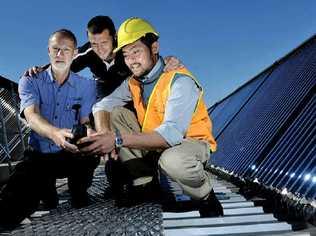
(60, 52)
(98, 49)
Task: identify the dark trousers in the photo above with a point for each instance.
(34, 179)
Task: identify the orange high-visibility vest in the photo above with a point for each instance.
(152, 116)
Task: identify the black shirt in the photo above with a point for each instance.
(107, 79)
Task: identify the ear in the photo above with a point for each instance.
(115, 41)
(155, 47)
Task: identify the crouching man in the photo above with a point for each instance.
(52, 103)
(171, 120)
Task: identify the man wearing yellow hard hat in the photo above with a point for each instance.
(171, 121)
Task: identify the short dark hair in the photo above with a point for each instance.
(99, 23)
(149, 39)
(67, 34)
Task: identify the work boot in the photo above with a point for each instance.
(49, 200)
(120, 185)
(48, 204)
(80, 200)
(115, 175)
(149, 192)
(134, 195)
(48, 195)
(211, 207)
(10, 217)
(123, 195)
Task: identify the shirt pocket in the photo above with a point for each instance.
(70, 107)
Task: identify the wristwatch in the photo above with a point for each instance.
(118, 139)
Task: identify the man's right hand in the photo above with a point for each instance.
(33, 71)
(60, 136)
(100, 143)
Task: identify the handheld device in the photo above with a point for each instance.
(78, 130)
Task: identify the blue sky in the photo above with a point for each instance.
(224, 43)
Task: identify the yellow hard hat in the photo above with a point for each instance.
(131, 30)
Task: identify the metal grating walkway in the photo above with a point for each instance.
(242, 217)
(100, 218)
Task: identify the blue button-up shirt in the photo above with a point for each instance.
(55, 102)
(184, 95)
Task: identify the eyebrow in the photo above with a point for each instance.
(135, 46)
(105, 41)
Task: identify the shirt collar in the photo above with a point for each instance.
(154, 73)
(109, 64)
(70, 81)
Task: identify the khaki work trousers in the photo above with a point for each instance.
(183, 163)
